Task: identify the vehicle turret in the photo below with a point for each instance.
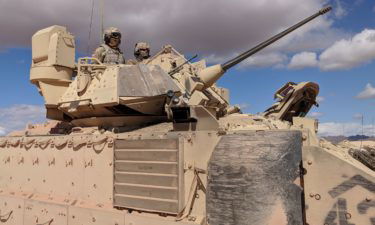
(165, 88)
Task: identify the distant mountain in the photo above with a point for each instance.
(335, 139)
(358, 137)
(338, 139)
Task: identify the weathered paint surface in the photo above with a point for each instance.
(251, 179)
(337, 193)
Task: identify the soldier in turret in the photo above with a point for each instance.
(142, 51)
(109, 52)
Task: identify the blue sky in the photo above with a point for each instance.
(251, 84)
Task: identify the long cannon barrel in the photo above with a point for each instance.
(211, 74)
(227, 65)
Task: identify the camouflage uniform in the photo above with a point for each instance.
(107, 54)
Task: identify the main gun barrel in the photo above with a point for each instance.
(227, 65)
(211, 74)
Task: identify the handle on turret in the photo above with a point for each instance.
(211, 74)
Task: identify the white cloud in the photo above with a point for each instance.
(302, 60)
(368, 92)
(16, 117)
(320, 99)
(339, 10)
(358, 2)
(218, 27)
(346, 129)
(315, 114)
(265, 60)
(346, 53)
(2, 131)
(244, 106)
(349, 53)
(358, 116)
(268, 59)
(216, 59)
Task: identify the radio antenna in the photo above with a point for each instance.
(90, 28)
(102, 19)
(362, 133)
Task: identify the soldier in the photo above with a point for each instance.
(142, 51)
(109, 52)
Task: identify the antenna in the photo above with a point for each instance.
(102, 19)
(362, 132)
(90, 28)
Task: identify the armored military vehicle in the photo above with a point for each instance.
(158, 143)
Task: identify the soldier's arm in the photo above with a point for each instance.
(123, 59)
(99, 54)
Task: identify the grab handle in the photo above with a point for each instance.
(4, 218)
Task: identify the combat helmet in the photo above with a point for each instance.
(111, 32)
(141, 46)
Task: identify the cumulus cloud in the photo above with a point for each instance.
(346, 53)
(339, 10)
(346, 129)
(349, 53)
(16, 117)
(268, 59)
(302, 60)
(265, 60)
(2, 131)
(215, 59)
(315, 114)
(207, 27)
(358, 116)
(367, 93)
(243, 106)
(320, 99)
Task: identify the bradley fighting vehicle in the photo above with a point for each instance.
(158, 143)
